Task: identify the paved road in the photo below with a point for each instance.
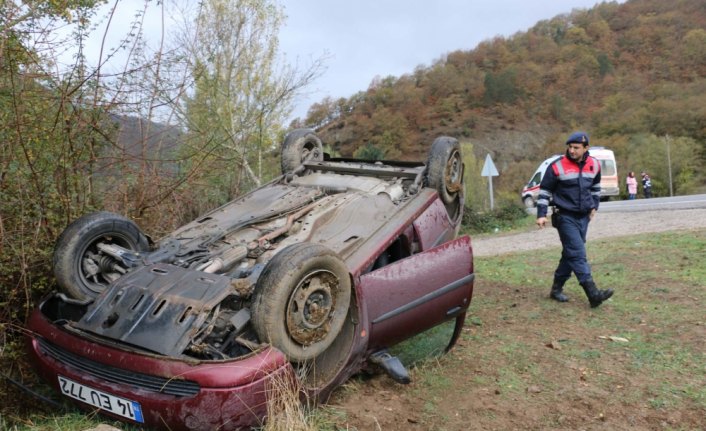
(614, 219)
(669, 203)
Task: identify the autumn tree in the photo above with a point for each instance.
(501, 87)
(240, 94)
(660, 155)
(45, 158)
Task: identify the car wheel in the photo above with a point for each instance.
(528, 201)
(445, 168)
(301, 300)
(80, 268)
(300, 145)
(445, 171)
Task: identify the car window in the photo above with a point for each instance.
(607, 167)
(535, 179)
(399, 249)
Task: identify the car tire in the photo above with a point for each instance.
(445, 168)
(78, 243)
(528, 201)
(299, 146)
(445, 172)
(301, 300)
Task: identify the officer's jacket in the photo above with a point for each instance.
(573, 187)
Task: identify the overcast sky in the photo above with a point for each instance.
(362, 39)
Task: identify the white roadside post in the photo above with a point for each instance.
(490, 171)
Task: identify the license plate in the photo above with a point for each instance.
(104, 401)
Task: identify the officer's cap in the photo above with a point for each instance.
(577, 137)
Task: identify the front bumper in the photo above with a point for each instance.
(172, 393)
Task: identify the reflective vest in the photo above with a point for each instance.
(571, 186)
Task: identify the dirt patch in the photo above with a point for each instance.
(527, 363)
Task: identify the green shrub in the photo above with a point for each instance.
(508, 216)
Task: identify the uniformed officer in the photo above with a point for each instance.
(572, 183)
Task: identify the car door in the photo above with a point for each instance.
(416, 293)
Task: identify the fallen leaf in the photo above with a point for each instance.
(614, 338)
(554, 345)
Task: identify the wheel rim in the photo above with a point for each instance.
(453, 173)
(95, 268)
(309, 152)
(310, 308)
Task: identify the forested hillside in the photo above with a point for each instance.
(632, 75)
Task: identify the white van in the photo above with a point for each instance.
(609, 176)
(609, 171)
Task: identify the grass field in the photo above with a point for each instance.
(638, 362)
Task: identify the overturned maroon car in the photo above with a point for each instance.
(311, 277)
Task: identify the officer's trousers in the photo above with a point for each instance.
(572, 232)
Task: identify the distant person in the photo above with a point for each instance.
(573, 182)
(631, 182)
(646, 185)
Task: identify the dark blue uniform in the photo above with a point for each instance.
(575, 190)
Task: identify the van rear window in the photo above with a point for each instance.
(608, 167)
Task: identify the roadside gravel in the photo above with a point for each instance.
(604, 225)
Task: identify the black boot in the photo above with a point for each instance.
(595, 296)
(556, 293)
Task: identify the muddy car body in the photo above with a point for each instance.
(311, 277)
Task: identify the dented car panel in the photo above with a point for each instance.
(309, 279)
(433, 226)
